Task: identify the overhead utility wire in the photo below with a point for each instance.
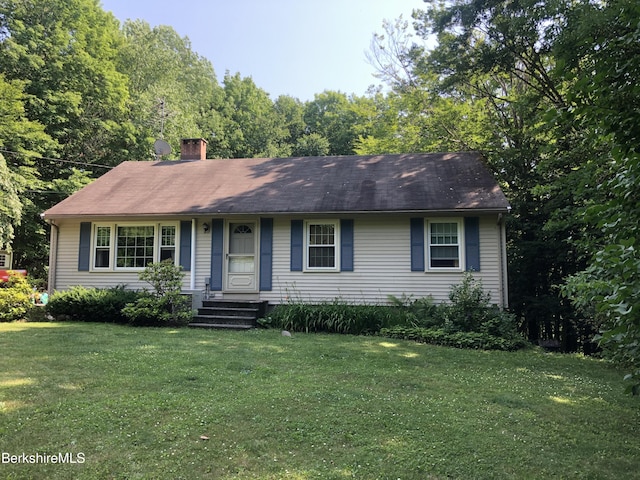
(39, 157)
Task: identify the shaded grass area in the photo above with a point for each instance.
(137, 403)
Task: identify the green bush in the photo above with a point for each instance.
(91, 304)
(151, 311)
(469, 306)
(15, 298)
(468, 320)
(164, 305)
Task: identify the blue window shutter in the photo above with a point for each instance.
(417, 245)
(185, 245)
(84, 254)
(472, 243)
(346, 245)
(217, 253)
(297, 244)
(266, 253)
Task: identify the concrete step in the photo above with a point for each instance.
(229, 314)
(225, 326)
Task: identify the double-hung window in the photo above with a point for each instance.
(167, 242)
(132, 246)
(444, 244)
(102, 252)
(322, 245)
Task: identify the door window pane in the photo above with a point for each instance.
(241, 265)
(241, 239)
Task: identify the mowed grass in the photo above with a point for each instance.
(161, 403)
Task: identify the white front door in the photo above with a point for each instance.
(241, 257)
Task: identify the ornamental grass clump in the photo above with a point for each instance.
(337, 316)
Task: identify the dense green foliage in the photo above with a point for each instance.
(164, 305)
(468, 320)
(15, 298)
(444, 337)
(91, 304)
(606, 98)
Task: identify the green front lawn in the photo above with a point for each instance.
(161, 403)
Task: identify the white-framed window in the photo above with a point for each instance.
(445, 244)
(168, 242)
(322, 240)
(133, 246)
(102, 252)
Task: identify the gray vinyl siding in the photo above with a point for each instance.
(67, 275)
(381, 264)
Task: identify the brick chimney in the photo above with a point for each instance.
(193, 149)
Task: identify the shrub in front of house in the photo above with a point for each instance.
(91, 304)
(15, 298)
(468, 320)
(169, 310)
(163, 305)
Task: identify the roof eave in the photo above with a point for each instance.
(452, 211)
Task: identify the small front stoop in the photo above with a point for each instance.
(229, 314)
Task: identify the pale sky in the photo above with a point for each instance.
(289, 47)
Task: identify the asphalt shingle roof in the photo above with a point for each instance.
(372, 183)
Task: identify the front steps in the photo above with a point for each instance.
(229, 314)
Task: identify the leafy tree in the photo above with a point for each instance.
(291, 112)
(311, 145)
(64, 99)
(251, 127)
(65, 52)
(419, 120)
(17, 134)
(330, 115)
(171, 87)
(599, 51)
(22, 173)
(10, 206)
